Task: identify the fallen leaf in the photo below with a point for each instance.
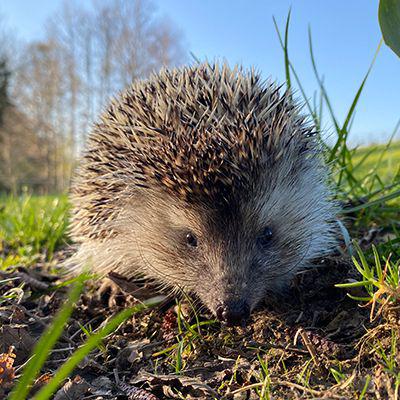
(7, 370)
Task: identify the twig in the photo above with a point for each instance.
(310, 347)
(280, 383)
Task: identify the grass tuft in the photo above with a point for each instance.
(31, 225)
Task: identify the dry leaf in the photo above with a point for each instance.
(7, 370)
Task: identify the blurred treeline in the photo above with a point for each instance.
(52, 90)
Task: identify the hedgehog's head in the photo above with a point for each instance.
(235, 253)
(206, 179)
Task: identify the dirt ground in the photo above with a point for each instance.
(286, 351)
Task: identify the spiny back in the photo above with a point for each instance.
(202, 133)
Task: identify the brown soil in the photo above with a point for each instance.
(315, 329)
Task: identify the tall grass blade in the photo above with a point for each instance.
(298, 81)
(93, 341)
(377, 202)
(360, 89)
(286, 51)
(46, 343)
(320, 81)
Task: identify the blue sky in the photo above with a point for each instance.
(345, 33)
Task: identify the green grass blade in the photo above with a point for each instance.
(364, 261)
(343, 131)
(360, 269)
(357, 298)
(46, 343)
(178, 363)
(360, 89)
(385, 151)
(381, 200)
(353, 284)
(286, 50)
(364, 390)
(365, 157)
(92, 342)
(380, 190)
(320, 82)
(298, 81)
(378, 265)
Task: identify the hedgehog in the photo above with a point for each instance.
(207, 180)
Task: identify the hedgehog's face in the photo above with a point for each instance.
(238, 262)
(242, 258)
(225, 260)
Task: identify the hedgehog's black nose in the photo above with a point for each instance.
(233, 313)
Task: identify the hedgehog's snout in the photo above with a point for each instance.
(233, 312)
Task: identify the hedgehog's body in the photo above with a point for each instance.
(207, 179)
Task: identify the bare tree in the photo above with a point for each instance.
(64, 81)
(107, 46)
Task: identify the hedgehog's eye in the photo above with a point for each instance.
(265, 237)
(191, 239)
